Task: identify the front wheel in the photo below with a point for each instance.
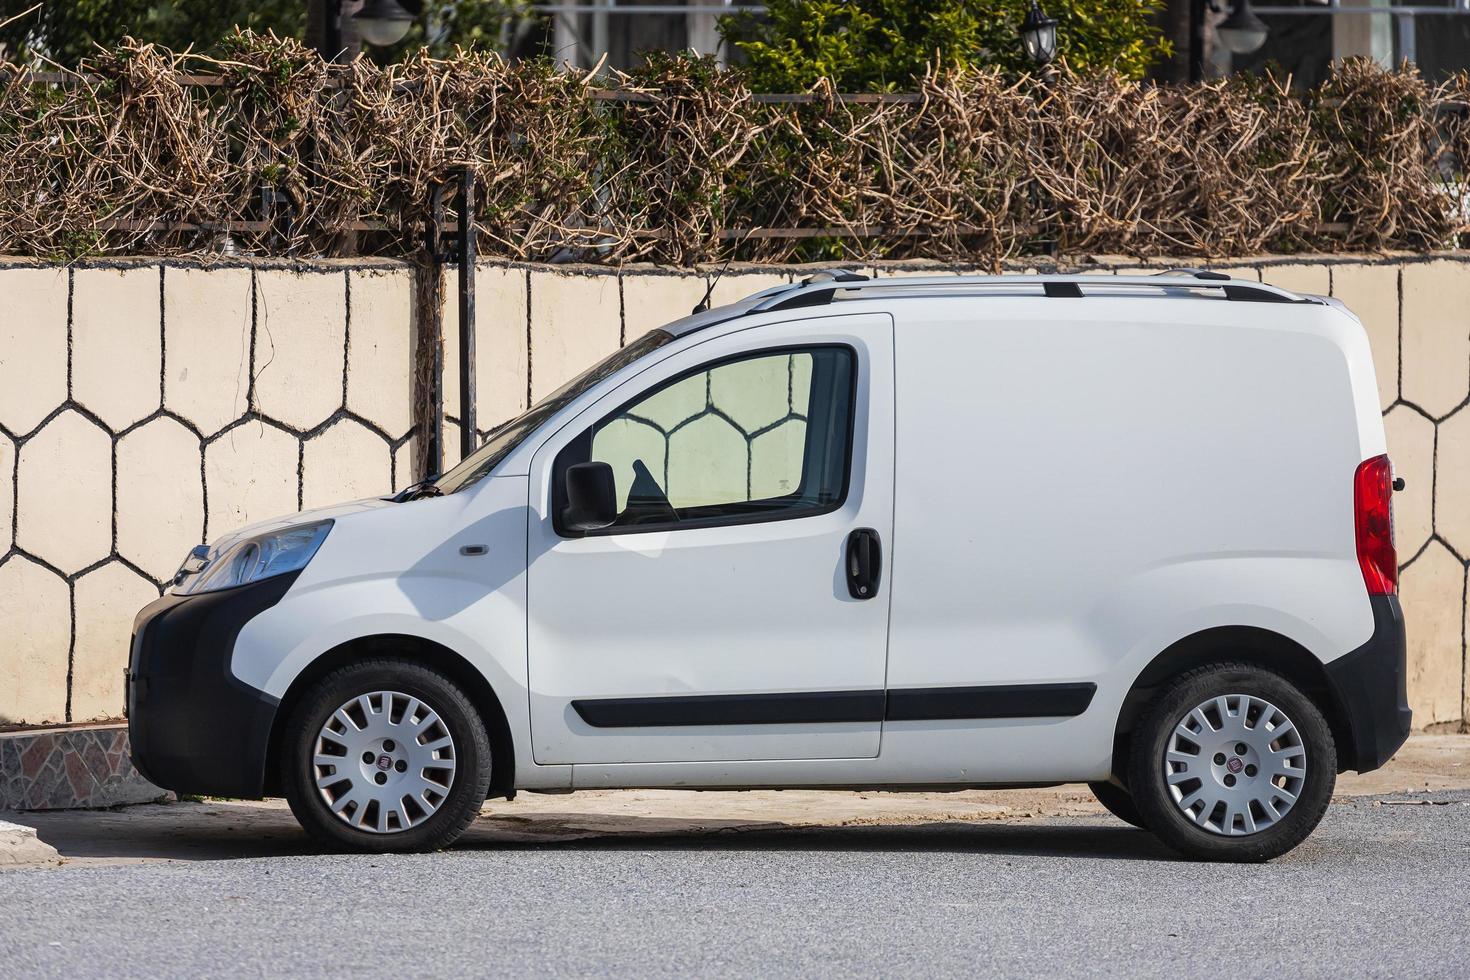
(385, 755)
(1232, 763)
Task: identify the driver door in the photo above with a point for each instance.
(714, 620)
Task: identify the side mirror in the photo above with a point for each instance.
(592, 497)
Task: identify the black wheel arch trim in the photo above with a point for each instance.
(1362, 693)
(418, 649)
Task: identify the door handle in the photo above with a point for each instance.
(864, 563)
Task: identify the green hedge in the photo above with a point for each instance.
(888, 45)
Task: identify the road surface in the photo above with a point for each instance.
(1379, 890)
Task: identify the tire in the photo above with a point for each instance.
(1252, 806)
(410, 784)
(1119, 803)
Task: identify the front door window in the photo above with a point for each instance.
(763, 436)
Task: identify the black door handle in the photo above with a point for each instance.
(864, 563)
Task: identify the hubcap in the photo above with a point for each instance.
(384, 762)
(1235, 765)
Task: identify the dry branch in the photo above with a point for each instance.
(146, 151)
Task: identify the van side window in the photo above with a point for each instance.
(763, 436)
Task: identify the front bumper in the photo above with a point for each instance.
(194, 727)
(1370, 687)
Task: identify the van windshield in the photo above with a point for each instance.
(507, 436)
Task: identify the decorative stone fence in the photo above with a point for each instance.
(88, 766)
(146, 406)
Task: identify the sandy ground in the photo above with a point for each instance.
(1427, 762)
(212, 830)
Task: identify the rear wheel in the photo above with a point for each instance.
(1232, 763)
(1119, 803)
(385, 755)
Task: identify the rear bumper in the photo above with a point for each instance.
(1370, 688)
(194, 727)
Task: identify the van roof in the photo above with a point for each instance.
(824, 287)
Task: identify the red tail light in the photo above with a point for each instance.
(1373, 515)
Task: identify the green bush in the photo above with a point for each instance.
(884, 45)
(66, 32)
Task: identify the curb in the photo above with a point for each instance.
(77, 768)
(20, 847)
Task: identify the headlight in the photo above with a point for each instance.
(260, 557)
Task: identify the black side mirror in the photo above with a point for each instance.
(592, 497)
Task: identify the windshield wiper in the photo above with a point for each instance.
(418, 491)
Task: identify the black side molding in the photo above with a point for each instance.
(806, 708)
(1003, 701)
(732, 709)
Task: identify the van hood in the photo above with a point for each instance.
(331, 512)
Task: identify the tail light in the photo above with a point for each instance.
(1373, 516)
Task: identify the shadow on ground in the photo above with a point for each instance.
(214, 831)
(1062, 821)
(1037, 838)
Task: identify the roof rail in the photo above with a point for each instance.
(1195, 274)
(836, 275)
(820, 289)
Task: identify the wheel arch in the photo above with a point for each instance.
(425, 651)
(1241, 644)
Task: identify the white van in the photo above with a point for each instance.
(946, 532)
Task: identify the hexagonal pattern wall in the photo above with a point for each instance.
(145, 406)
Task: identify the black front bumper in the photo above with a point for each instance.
(195, 727)
(1370, 687)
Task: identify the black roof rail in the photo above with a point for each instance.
(820, 289)
(804, 297)
(835, 275)
(1255, 294)
(1205, 274)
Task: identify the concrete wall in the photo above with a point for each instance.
(148, 406)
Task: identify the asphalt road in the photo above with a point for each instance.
(1379, 890)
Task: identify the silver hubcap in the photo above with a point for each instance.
(384, 762)
(1235, 764)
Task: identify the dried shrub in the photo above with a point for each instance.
(1452, 148)
(943, 175)
(1223, 167)
(145, 151)
(1376, 131)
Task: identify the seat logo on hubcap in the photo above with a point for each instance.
(1234, 765)
(385, 762)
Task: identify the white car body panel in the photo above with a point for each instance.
(746, 608)
(1064, 488)
(397, 570)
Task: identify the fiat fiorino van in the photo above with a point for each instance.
(949, 532)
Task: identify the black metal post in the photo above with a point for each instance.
(468, 434)
(434, 459)
(1197, 39)
(331, 30)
